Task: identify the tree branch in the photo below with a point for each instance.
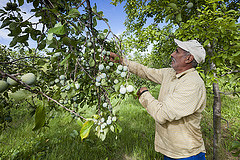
(27, 87)
(20, 59)
(81, 4)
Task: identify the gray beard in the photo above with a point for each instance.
(173, 61)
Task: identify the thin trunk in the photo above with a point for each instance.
(216, 122)
(216, 113)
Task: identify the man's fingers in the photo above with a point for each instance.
(113, 57)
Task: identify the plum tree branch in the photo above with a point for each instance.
(27, 87)
(81, 4)
(110, 31)
(84, 70)
(20, 59)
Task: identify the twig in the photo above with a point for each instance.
(110, 31)
(228, 93)
(19, 59)
(84, 69)
(225, 121)
(237, 71)
(81, 4)
(75, 72)
(72, 111)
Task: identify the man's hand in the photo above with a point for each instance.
(141, 90)
(115, 58)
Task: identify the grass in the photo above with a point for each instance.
(230, 125)
(135, 142)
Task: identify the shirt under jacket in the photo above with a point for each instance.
(177, 111)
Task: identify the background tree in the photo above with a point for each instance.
(215, 24)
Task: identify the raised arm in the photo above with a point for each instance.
(142, 71)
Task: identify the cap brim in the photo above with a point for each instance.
(181, 44)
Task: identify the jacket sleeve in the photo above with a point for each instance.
(142, 71)
(184, 101)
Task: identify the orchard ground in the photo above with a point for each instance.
(61, 140)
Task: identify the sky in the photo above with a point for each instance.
(115, 15)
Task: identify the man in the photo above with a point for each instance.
(182, 98)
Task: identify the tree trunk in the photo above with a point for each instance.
(216, 122)
(216, 111)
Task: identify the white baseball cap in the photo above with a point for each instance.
(194, 48)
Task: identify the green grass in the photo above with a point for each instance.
(230, 125)
(135, 142)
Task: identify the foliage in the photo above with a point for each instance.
(71, 71)
(160, 42)
(218, 31)
(213, 23)
(173, 11)
(150, 47)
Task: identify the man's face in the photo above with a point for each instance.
(178, 60)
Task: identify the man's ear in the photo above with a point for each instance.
(189, 58)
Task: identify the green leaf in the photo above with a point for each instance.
(13, 42)
(2, 11)
(23, 38)
(20, 95)
(15, 32)
(179, 17)
(65, 60)
(50, 36)
(118, 128)
(79, 122)
(34, 33)
(112, 128)
(214, 6)
(105, 31)
(6, 22)
(42, 45)
(66, 41)
(91, 62)
(57, 29)
(85, 130)
(173, 6)
(39, 117)
(117, 87)
(75, 132)
(168, 18)
(20, 2)
(12, 26)
(73, 13)
(219, 19)
(94, 22)
(236, 54)
(206, 43)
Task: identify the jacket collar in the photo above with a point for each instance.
(179, 75)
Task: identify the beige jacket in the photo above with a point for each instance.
(177, 111)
